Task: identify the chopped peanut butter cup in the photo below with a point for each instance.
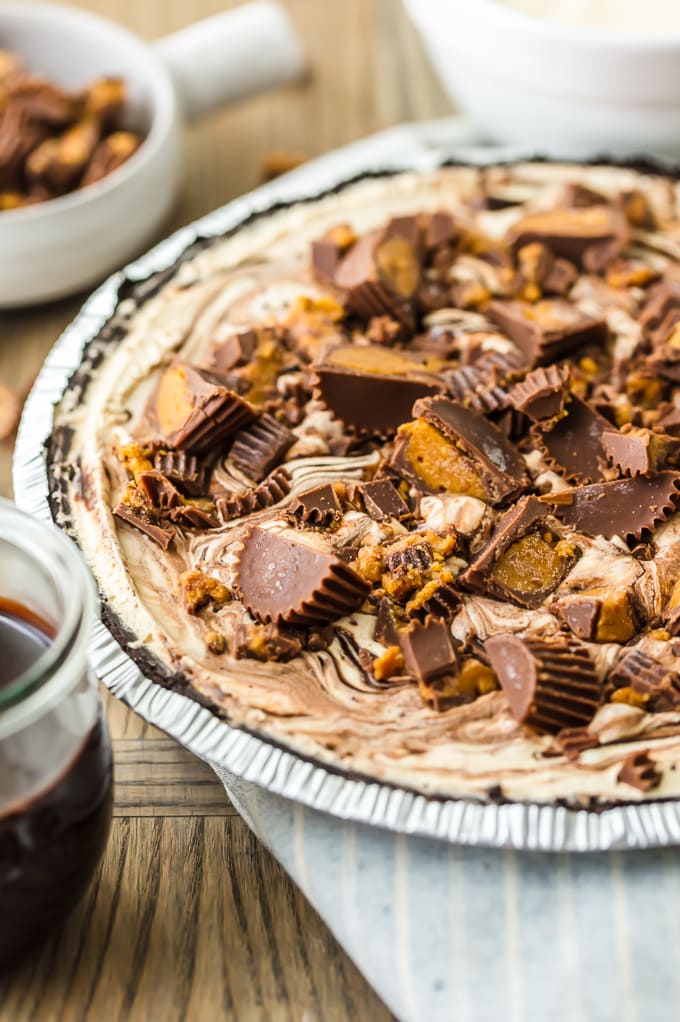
(640, 771)
(270, 492)
(280, 579)
(601, 614)
(318, 506)
(371, 389)
(196, 414)
(380, 275)
(657, 686)
(258, 448)
(589, 236)
(451, 449)
(548, 329)
(542, 393)
(525, 559)
(550, 684)
(429, 649)
(572, 444)
(628, 508)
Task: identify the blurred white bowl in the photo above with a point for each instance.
(561, 89)
(69, 243)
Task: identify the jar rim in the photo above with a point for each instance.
(44, 681)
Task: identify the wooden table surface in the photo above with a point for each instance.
(189, 917)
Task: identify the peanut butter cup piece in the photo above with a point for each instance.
(588, 236)
(373, 390)
(429, 649)
(636, 451)
(639, 771)
(548, 329)
(136, 509)
(319, 506)
(656, 686)
(328, 252)
(550, 684)
(195, 413)
(524, 560)
(281, 578)
(269, 493)
(452, 449)
(602, 614)
(183, 470)
(627, 508)
(380, 275)
(572, 444)
(257, 449)
(542, 393)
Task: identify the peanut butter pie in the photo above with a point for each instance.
(391, 478)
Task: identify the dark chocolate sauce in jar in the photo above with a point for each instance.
(24, 637)
(50, 844)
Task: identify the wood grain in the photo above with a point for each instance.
(189, 917)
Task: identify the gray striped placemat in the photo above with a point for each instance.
(452, 934)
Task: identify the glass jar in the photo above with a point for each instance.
(55, 754)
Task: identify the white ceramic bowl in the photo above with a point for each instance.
(561, 89)
(69, 243)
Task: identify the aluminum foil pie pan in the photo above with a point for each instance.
(517, 825)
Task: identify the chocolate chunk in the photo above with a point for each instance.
(319, 506)
(159, 490)
(136, 509)
(281, 578)
(386, 629)
(602, 614)
(542, 393)
(546, 330)
(658, 686)
(499, 464)
(235, 350)
(257, 449)
(639, 770)
(523, 561)
(550, 684)
(589, 237)
(429, 649)
(382, 500)
(267, 494)
(183, 470)
(196, 413)
(192, 516)
(369, 401)
(572, 444)
(572, 741)
(623, 507)
(380, 275)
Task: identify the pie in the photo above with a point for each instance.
(391, 478)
